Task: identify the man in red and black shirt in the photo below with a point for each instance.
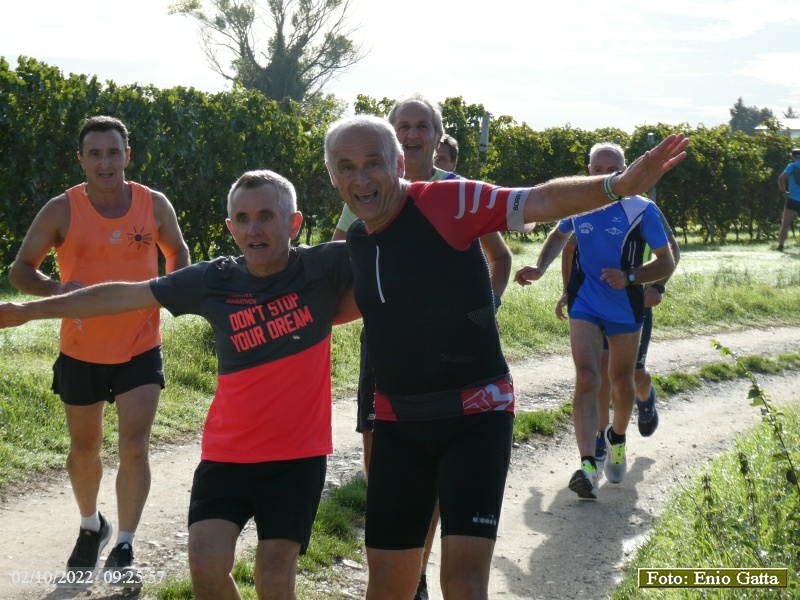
(444, 399)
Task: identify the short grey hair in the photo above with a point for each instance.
(436, 113)
(391, 149)
(607, 147)
(287, 196)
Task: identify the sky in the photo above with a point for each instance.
(619, 64)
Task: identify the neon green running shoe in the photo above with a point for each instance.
(616, 463)
(584, 481)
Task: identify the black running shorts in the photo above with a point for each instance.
(462, 461)
(282, 496)
(81, 383)
(792, 205)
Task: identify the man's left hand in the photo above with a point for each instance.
(646, 170)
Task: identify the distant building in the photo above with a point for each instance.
(788, 127)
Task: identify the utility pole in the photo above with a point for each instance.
(651, 143)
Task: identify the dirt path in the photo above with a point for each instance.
(547, 535)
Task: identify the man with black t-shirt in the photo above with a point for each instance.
(444, 401)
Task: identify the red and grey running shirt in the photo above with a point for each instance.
(273, 397)
(422, 285)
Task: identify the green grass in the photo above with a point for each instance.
(741, 511)
(542, 422)
(33, 435)
(731, 288)
(547, 422)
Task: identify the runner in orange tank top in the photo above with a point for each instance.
(105, 229)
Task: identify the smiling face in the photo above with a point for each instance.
(262, 229)
(413, 124)
(368, 181)
(103, 158)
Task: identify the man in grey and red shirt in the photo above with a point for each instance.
(268, 430)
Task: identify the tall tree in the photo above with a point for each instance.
(790, 114)
(309, 43)
(747, 118)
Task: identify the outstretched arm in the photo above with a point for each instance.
(93, 301)
(569, 196)
(550, 249)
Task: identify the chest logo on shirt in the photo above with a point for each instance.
(614, 231)
(586, 228)
(139, 238)
(116, 237)
(252, 327)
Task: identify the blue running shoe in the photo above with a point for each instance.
(648, 415)
(600, 447)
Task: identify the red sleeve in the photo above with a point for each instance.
(463, 210)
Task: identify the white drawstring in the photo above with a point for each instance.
(378, 273)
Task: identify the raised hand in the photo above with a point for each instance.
(645, 171)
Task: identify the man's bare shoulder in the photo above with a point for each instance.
(56, 211)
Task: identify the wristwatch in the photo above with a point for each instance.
(630, 276)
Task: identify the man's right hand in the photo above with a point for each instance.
(12, 314)
(527, 274)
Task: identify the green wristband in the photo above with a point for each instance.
(607, 187)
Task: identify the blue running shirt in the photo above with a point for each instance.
(613, 237)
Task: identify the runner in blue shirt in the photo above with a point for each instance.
(789, 185)
(606, 297)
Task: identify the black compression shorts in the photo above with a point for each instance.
(366, 390)
(462, 461)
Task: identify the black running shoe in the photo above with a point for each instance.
(90, 544)
(648, 415)
(422, 588)
(120, 557)
(119, 569)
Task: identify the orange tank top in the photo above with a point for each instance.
(98, 249)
